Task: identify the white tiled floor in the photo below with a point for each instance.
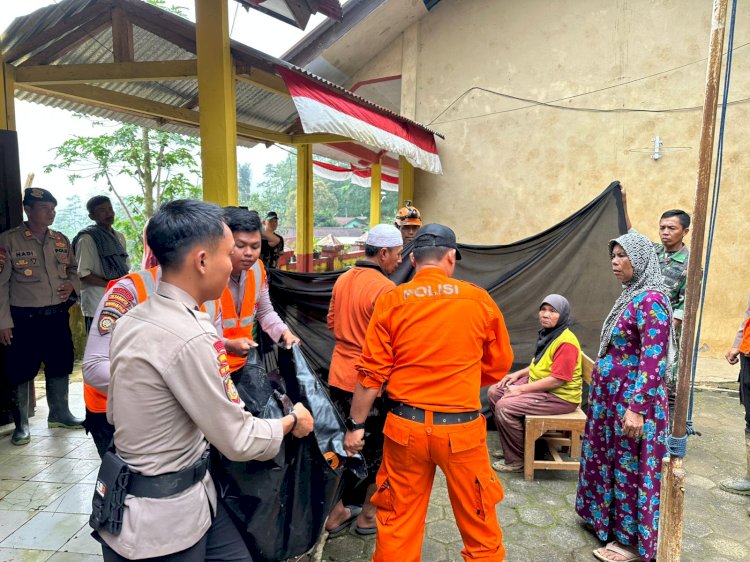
(45, 492)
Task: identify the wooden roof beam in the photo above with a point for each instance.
(261, 79)
(122, 36)
(108, 72)
(125, 103)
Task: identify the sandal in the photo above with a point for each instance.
(617, 548)
(498, 454)
(500, 466)
(354, 513)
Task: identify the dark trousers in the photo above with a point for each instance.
(745, 389)
(39, 339)
(87, 321)
(221, 543)
(101, 431)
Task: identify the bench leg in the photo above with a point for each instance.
(575, 444)
(533, 432)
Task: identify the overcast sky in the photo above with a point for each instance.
(41, 129)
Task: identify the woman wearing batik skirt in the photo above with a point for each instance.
(625, 439)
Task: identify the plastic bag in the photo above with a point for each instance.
(281, 504)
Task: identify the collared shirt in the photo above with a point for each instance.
(169, 396)
(352, 302)
(265, 314)
(89, 262)
(436, 341)
(35, 270)
(674, 269)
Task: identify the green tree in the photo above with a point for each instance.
(71, 217)
(161, 165)
(279, 180)
(324, 209)
(244, 183)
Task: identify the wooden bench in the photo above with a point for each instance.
(563, 431)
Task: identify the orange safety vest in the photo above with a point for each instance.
(234, 326)
(745, 344)
(145, 283)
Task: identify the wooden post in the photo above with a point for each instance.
(7, 97)
(304, 208)
(670, 527)
(218, 112)
(405, 181)
(377, 170)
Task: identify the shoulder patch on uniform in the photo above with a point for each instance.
(118, 301)
(123, 292)
(226, 379)
(106, 323)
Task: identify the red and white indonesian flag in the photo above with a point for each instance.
(358, 176)
(324, 111)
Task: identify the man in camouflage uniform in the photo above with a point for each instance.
(673, 256)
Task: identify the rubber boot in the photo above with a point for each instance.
(740, 485)
(21, 435)
(57, 399)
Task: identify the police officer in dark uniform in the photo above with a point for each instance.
(37, 286)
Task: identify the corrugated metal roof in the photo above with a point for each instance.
(256, 106)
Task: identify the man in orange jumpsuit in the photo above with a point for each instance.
(435, 341)
(352, 302)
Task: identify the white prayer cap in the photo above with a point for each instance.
(384, 236)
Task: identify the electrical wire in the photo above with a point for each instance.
(551, 103)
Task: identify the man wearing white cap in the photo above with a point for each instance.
(352, 303)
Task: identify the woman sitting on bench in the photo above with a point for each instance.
(550, 385)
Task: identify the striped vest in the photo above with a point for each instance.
(241, 326)
(145, 283)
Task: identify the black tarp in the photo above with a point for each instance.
(569, 258)
(281, 504)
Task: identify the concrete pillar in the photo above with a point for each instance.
(218, 111)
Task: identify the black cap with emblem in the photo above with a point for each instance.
(33, 195)
(436, 235)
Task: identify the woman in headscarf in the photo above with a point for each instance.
(625, 438)
(550, 385)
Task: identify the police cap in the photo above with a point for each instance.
(436, 235)
(33, 195)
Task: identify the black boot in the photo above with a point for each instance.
(57, 399)
(22, 435)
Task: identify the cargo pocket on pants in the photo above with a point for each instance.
(488, 493)
(382, 499)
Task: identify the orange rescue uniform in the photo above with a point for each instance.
(436, 341)
(352, 303)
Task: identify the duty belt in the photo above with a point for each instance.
(32, 312)
(438, 418)
(168, 484)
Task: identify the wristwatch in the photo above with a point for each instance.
(351, 425)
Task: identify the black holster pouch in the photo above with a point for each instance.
(108, 504)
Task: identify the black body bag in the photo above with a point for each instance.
(108, 504)
(280, 505)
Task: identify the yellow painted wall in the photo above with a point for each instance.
(512, 168)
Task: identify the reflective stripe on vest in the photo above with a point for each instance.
(236, 327)
(145, 283)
